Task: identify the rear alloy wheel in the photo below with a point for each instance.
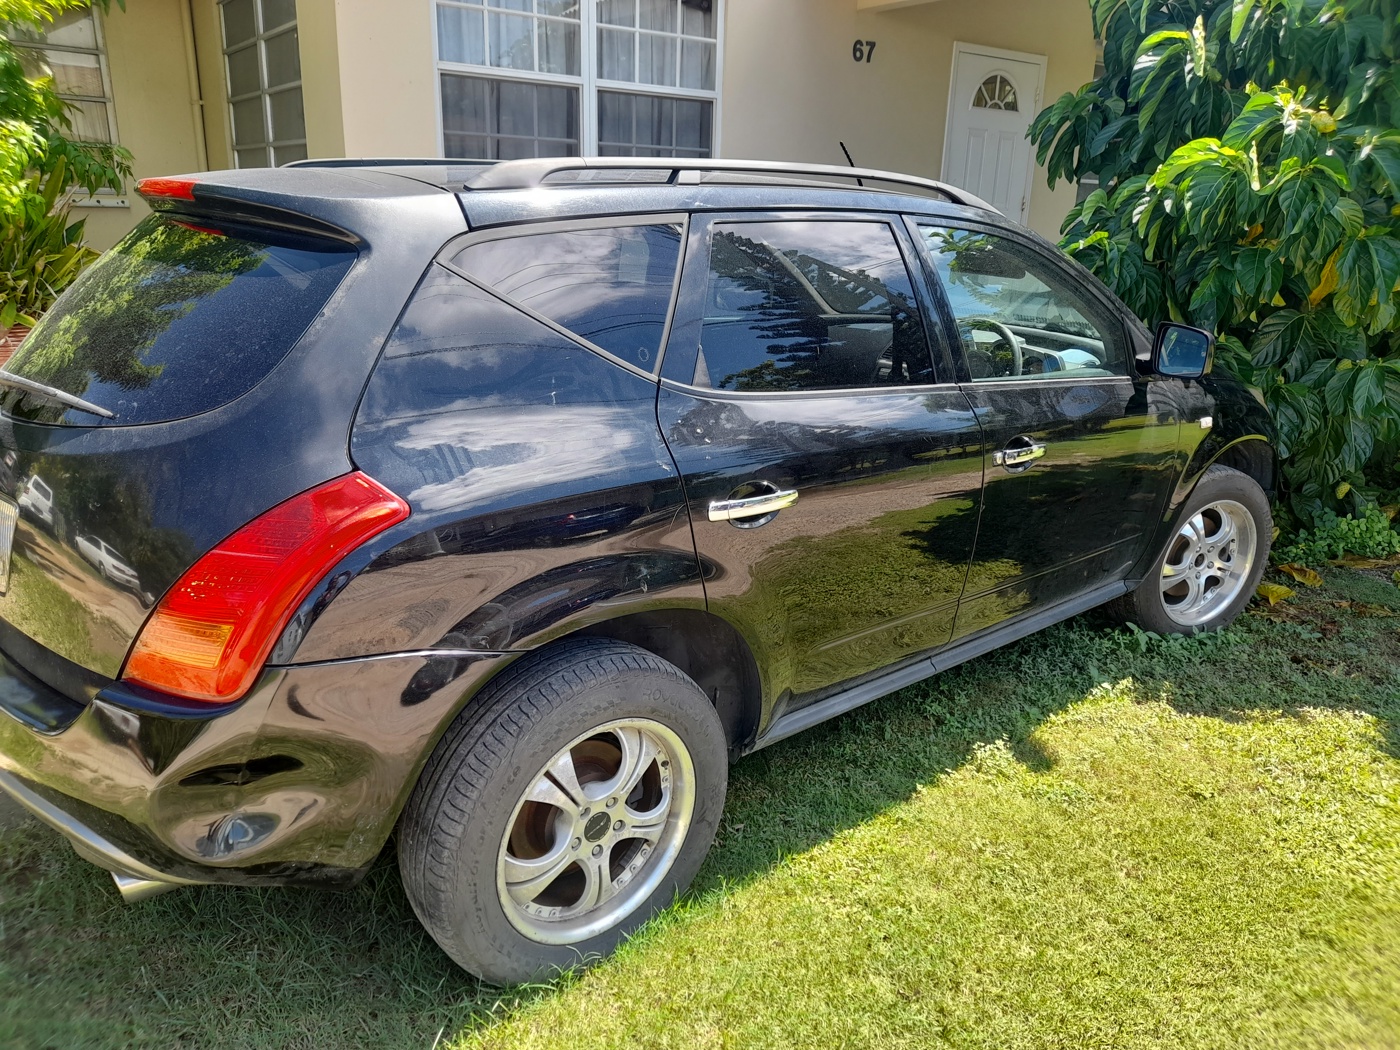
(597, 831)
(1212, 563)
(570, 802)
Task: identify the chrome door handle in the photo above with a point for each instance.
(752, 506)
(1021, 456)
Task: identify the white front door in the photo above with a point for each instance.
(994, 98)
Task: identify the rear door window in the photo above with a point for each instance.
(611, 286)
(809, 305)
(177, 319)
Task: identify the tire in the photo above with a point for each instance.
(470, 827)
(1185, 607)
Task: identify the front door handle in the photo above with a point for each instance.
(1018, 457)
(752, 506)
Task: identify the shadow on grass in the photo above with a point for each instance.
(228, 967)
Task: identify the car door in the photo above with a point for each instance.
(1080, 447)
(799, 378)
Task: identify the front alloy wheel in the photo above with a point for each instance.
(1208, 563)
(1209, 567)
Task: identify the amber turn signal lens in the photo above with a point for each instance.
(212, 632)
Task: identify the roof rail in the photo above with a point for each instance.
(534, 172)
(385, 162)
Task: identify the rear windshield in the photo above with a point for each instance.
(177, 319)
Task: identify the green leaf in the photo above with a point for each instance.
(1350, 215)
(1239, 16)
(1386, 158)
(1369, 390)
(1260, 113)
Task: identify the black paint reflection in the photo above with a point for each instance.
(866, 569)
(542, 488)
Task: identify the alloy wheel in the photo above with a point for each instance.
(596, 832)
(1208, 562)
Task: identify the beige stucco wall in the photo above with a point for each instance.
(792, 91)
(209, 55)
(387, 82)
(156, 120)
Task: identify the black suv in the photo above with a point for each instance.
(506, 504)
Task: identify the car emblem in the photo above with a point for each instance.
(9, 517)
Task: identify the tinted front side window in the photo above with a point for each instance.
(610, 286)
(1018, 316)
(809, 306)
(175, 320)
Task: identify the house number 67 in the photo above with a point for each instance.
(863, 50)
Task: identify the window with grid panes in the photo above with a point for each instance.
(70, 50)
(551, 78)
(262, 59)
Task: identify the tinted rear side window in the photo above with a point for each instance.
(610, 286)
(176, 320)
(803, 305)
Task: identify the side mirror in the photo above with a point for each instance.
(1182, 352)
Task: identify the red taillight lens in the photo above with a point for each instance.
(171, 189)
(211, 633)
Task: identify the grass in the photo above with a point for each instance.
(1094, 838)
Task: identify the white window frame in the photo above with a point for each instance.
(588, 83)
(264, 93)
(103, 198)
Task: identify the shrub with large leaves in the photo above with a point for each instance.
(1268, 214)
(41, 252)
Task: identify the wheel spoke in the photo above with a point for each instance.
(527, 879)
(1194, 531)
(1173, 575)
(598, 884)
(547, 791)
(649, 825)
(1194, 592)
(639, 751)
(1227, 530)
(563, 773)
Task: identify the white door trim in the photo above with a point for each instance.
(959, 49)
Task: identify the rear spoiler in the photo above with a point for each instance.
(211, 200)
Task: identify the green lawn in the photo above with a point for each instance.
(1090, 839)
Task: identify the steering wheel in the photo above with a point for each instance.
(1006, 335)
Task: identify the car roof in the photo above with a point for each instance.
(508, 192)
(368, 199)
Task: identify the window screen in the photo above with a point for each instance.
(809, 306)
(610, 286)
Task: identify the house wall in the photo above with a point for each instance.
(790, 88)
(209, 56)
(155, 105)
(790, 63)
(387, 82)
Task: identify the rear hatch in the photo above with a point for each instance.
(98, 454)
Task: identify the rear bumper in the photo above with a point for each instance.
(134, 879)
(299, 783)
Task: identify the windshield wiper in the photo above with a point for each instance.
(29, 386)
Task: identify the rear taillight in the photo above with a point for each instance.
(166, 189)
(211, 633)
